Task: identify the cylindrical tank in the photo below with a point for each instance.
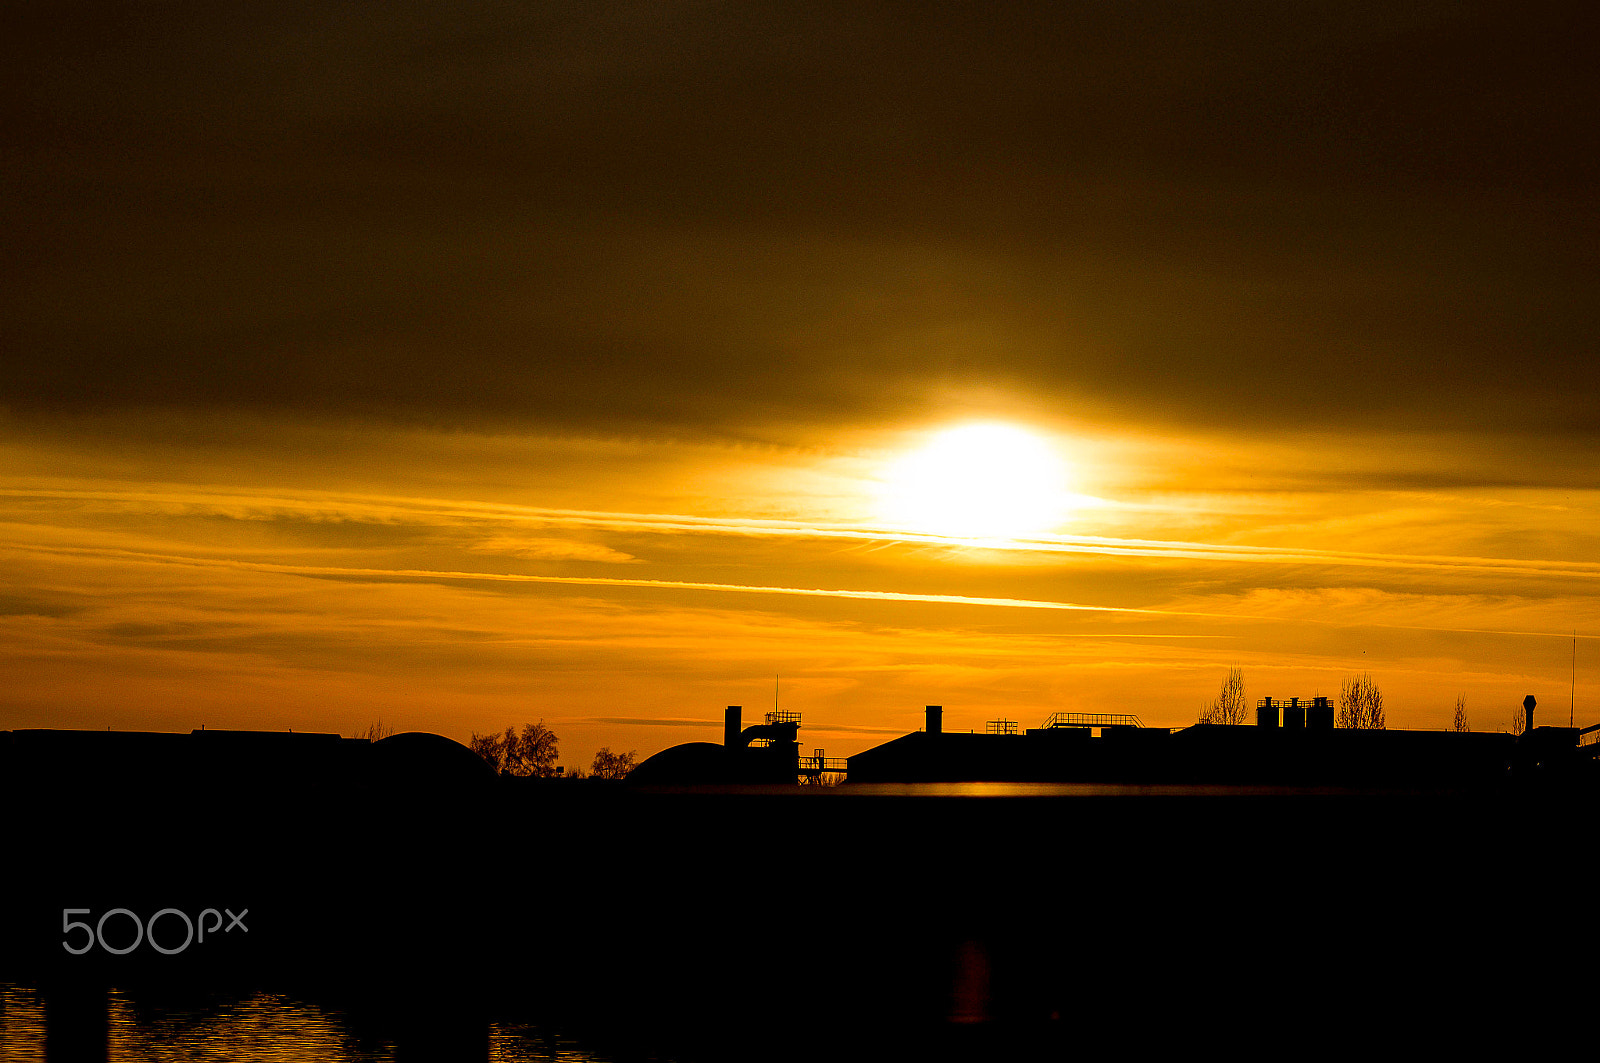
(935, 719)
(1266, 713)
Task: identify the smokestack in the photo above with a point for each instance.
(1527, 707)
(731, 727)
(1266, 713)
(935, 719)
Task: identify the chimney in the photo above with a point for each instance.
(1527, 707)
(731, 728)
(935, 719)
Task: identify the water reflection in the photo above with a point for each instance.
(264, 1027)
(21, 1025)
(511, 1043)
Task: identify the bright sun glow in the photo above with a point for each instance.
(980, 481)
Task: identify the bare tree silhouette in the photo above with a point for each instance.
(530, 753)
(1229, 705)
(1460, 722)
(609, 765)
(1361, 704)
(375, 731)
(1519, 720)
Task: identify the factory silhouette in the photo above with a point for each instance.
(1215, 884)
(1293, 743)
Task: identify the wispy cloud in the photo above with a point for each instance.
(1316, 611)
(335, 571)
(535, 549)
(316, 506)
(653, 721)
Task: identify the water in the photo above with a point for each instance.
(934, 921)
(263, 1028)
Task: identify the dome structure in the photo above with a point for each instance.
(687, 764)
(424, 757)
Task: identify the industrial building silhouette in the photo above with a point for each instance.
(1293, 743)
(767, 752)
(378, 867)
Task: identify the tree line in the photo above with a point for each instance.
(1360, 704)
(533, 753)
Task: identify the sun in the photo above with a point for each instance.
(978, 481)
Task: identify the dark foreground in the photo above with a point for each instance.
(751, 923)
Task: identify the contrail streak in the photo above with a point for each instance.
(388, 509)
(337, 571)
(438, 575)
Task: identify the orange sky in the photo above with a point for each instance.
(624, 591)
(486, 364)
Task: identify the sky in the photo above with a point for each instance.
(460, 365)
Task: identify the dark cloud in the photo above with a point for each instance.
(705, 215)
(647, 721)
(18, 605)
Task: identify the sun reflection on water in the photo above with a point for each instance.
(263, 1028)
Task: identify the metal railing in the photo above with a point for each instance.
(1091, 719)
(783, 717)
(1000, 727)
